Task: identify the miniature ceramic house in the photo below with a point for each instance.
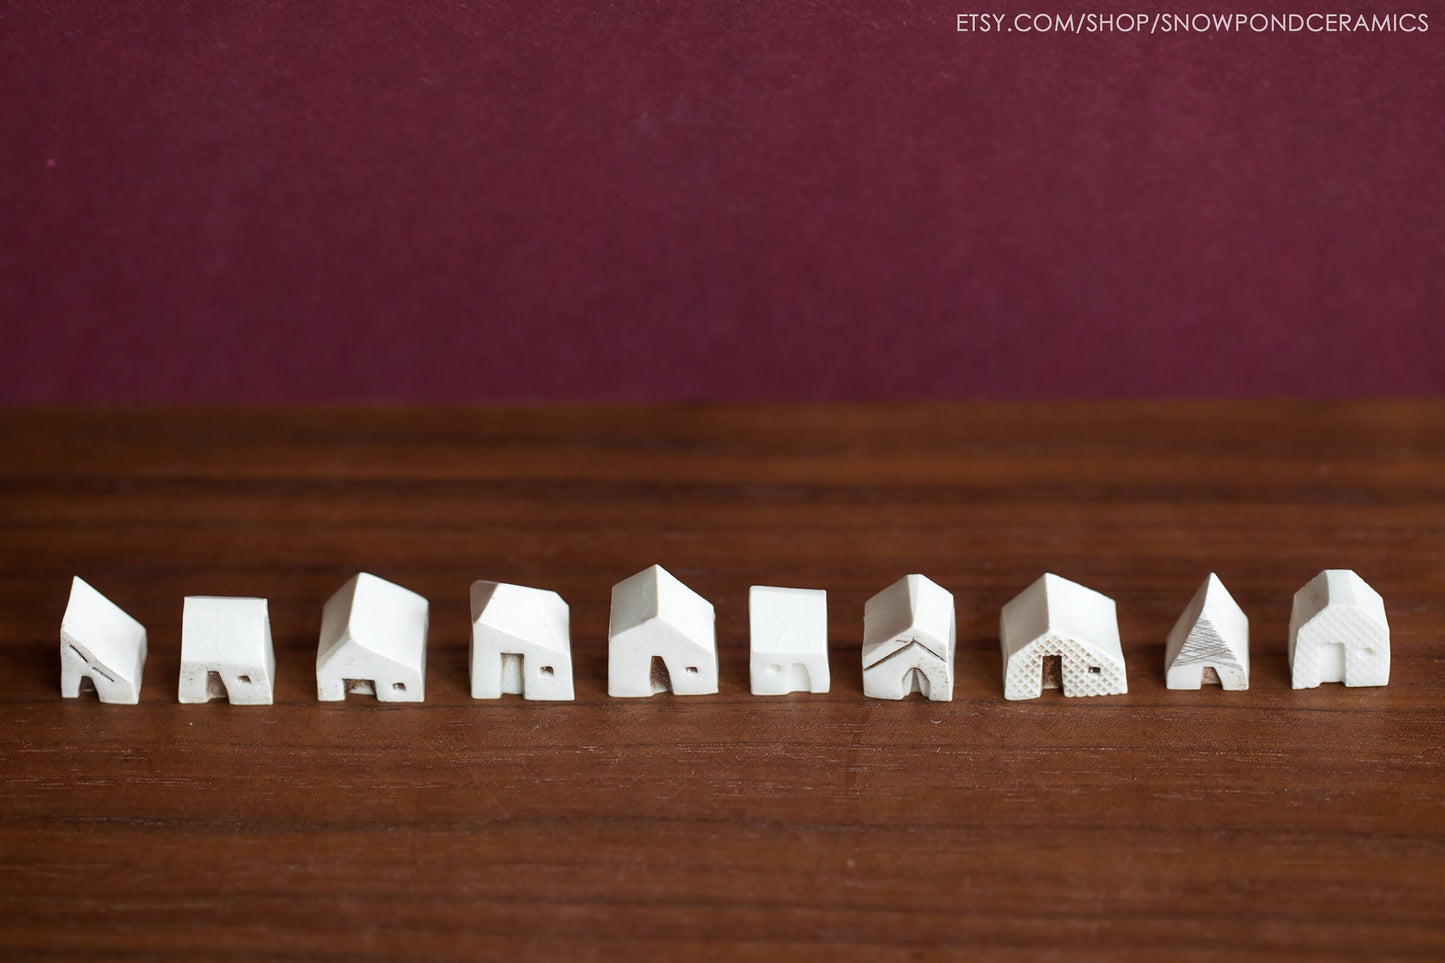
(1209, 642)
(1338, 632)
(373, 641)
(661, 638)
(226, 651)
(909, 637)
(520, 643)
(789, 631)
(1059, 634)
(101, 647)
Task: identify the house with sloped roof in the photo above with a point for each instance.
(373, 642)
(521, 643)
(1057, 634)
(102, 648)
(909, 636)
(661, 638)
(1209, 641)
(1338, 632)
(226, 651)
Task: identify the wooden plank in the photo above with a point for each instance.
(1266, 823)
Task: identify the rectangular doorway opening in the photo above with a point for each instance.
(1053, 672)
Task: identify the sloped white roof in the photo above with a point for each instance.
(96, 624)
(787, 620)
(1212, 629)
(654, 593)
(912, 609)
(530, 615)
(218, 630)
(1056, 606)
(1344, 594)
(380, 616)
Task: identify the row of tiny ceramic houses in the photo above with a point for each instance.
(1055, 634)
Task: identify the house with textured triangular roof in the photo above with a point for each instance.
(373, 642)
(1338, 632)
(909, 636)
(1209, 642)
(1057, 634)
(101, 647)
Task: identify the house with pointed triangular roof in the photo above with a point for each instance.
(521, 643)
(1209, 641)
(101, 647)
(909, 636)
(661, 638)
(373, 642)
(1057, 634)
(1338, 632)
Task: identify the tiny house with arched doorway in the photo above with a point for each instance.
(909, 635)
(661, 637)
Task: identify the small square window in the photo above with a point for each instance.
(1094, 670)
(399, 686)
(547, 670)
(692, 669)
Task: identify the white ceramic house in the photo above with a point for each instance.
(909, 637)
(1059, 634)
(1338, 632)
(521, 643)
(1209, 642)
(101, 647)
(789, 640)
(226, 651)
(661, 638)
(373, 641)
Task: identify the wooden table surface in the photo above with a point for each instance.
(1265, 823)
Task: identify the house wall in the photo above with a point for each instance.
(1023, 671)
(1363, 649)
(630, 655)
(888, 678)
(351, 662)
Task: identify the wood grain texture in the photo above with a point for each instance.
(1263, 824)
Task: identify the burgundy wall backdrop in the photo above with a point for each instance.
(276, 201)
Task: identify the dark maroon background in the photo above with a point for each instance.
(268, 201)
